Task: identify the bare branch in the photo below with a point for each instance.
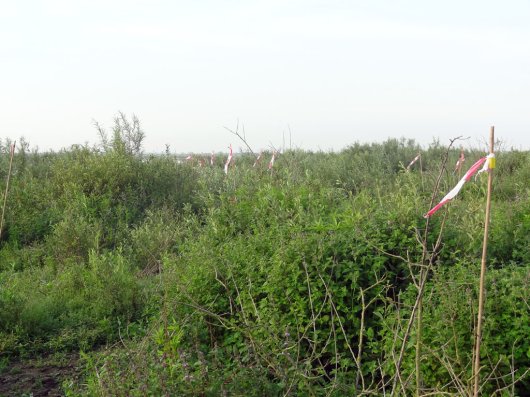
(242, 137)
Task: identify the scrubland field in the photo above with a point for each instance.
(130, 274)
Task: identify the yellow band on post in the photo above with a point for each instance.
(492, 163)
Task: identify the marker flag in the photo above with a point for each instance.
(190, 157)
(271, 163)
(484, 162)
(489, 164)
(258, 159)
(460, 162)
(413, 161)
(229, 159)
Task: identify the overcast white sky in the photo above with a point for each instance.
(335, 71)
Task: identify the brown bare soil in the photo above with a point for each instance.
(37, 377)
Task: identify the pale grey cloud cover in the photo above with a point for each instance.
(334, 71)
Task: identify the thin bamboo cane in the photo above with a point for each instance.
(476, 366)
(12, 153)
(418, 345)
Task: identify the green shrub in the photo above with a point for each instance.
(79, 305)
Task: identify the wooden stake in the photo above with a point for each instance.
(476, 366)
(418, 344)
(12, 153)
(421, 174)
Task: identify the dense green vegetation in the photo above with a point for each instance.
(175, 279)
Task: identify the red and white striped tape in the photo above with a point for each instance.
(480, 166)
(229, 159)
(271, 163)
(413, 161)
(460, 162)
(258, 159)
